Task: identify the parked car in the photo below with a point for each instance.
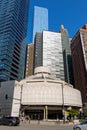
(11, 121)
(81, 126)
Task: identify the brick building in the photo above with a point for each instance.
(79, 60)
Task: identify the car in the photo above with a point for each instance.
(9, 120)
(81, 126)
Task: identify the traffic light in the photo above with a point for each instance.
(6, 96)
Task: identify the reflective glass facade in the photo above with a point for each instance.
(40, 20)
(13, 28)
(68, 71)
(48, 52)
(52, 53)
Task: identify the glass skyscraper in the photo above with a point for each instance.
(38, 21)
(48, 52)
(13, 29)
(68, 71)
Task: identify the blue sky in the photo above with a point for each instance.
(71, 13)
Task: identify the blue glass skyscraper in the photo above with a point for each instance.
(38, 21)
(13, 29)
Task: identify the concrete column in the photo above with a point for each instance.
(46, 108)
(65, 115)
(44, 113)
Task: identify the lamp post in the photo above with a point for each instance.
(20, 100)
(63, 109)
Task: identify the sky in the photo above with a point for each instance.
(71, 13)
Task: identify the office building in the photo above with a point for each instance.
(48, 52)
(13, 29)
(68, 71)
(40, 94)
(38, 21)
(38, 50)
(29, 60)
(79, 60)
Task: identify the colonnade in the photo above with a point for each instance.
(46, 111)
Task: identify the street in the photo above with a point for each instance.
(26, 126)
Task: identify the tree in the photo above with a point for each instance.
(73, 112)
(85, 113)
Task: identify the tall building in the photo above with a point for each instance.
(68, 71)
(29, 60)
(13, 29)
(38, 22)
(79, 60)
(38, 50)
(48, 52)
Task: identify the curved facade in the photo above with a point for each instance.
(43, 95)
(40, 90)
(46, 96)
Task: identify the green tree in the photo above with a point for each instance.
(73, 112)
(85, 113)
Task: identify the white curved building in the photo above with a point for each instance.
(43, 95)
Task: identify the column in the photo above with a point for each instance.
(46, 112)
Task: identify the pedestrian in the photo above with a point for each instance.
(29, 120)
(24, 119)
(38, 119)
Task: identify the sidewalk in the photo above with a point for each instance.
(41, 122)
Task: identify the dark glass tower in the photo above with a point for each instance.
(68, 71)
(13, 29)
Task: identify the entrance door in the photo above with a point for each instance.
(34, 114)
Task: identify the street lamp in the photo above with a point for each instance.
(20, 99)
(6, 96)
(63, 109)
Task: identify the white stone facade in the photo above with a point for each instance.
(40, 90)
